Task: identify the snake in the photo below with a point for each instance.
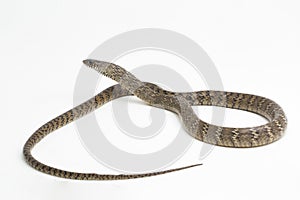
(178, 102)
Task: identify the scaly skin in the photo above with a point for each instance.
(179, 103)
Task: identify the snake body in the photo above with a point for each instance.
(179, 103)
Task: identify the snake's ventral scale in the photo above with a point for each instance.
(177, 102)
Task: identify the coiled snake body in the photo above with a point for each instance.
(180, 103)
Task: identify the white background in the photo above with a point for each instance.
(254, 44)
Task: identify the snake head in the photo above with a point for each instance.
(97, 65)
(110, 70)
